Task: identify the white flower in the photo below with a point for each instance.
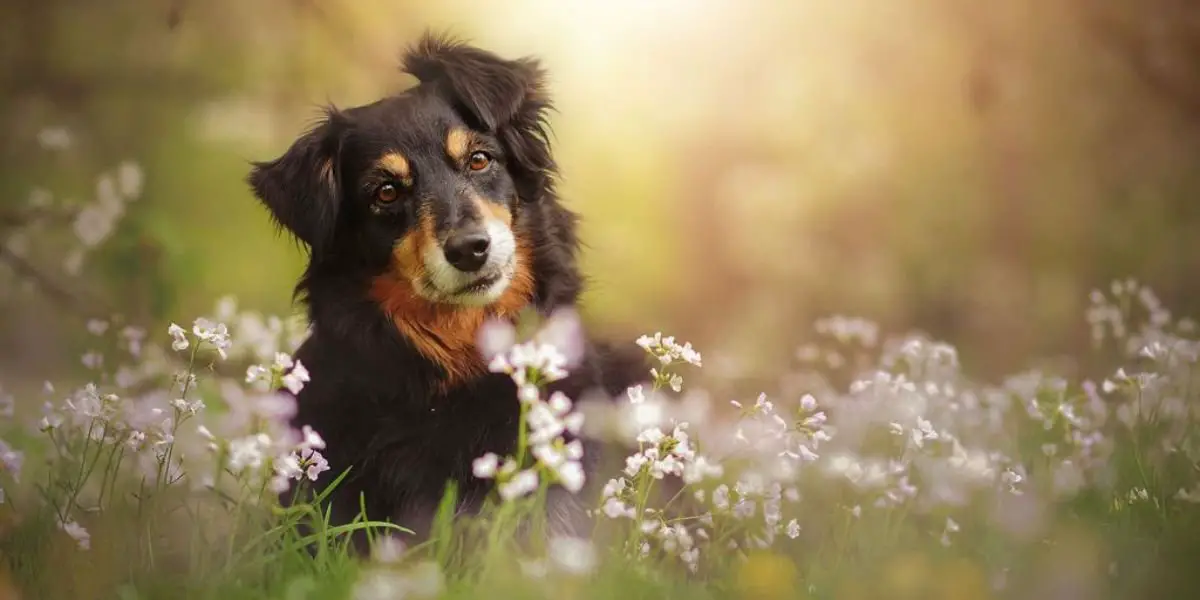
(136, 441)
(11, 460)
(573, 422)
(387, 549)
(667, 351)
(314, 464)
(216, 334)
(701, 469)
(423, 580)
(524, 482)
(288, 466)
(208, 436)
(793, 529)
(485, 466)
(77, 533)
(572, 555)
(179, 336)
(528, 393)
(188, 408)
(762, 404)
(634, 464)
(247, 452)
(636, 396)
(294, 381)
(720, 497)
(310, 439)
(676, 382)
(691, 558)
(559, 403)
(652, 436)
(256, 373)
(495, 337)
(614, 487)
(54, 138)
(571, 476)
(129, 180)
(97, 326)
(808, 404)
(283, 361)
(614, 508)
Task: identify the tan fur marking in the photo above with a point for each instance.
(408, 256)
(396, 164)
(458, 142)
(491, 210)
(445, 333)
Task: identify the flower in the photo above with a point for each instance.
(81, 536)
(387, 549)
(257, 373)
(186, 407)
(485, 466)
(572, 555)
(635, 394)
(97, 326)
(310, 439)
(11, 460)
(521, 484)
(295, 379)
(314, 464)
(423, 580)
(216, 334)
(571, 476)
(248, 452)
(614, 508)
(179, 337)
(667, 351)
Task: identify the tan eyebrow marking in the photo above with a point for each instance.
(395, 163)
(458, 141)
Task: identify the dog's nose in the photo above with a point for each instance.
(467, 249)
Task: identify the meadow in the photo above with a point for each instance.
(875, 470)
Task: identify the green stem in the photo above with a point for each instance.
(187, 384)
(80, 478)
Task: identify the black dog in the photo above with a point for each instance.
(424, 214)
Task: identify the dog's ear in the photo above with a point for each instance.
(300, 188)
(491, 90)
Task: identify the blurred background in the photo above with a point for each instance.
(968, 169)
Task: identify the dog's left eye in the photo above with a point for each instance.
(386, 193)
(478, 161)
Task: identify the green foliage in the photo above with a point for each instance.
(906, 480)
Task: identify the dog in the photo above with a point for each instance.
(425, 214)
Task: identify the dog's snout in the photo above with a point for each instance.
(467, 249)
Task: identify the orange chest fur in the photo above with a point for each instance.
(444, 333)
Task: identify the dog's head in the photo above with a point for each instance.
(436, 189)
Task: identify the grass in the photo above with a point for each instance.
(878, 469)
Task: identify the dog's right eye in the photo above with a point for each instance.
(386, 193)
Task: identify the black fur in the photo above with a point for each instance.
(373, 397)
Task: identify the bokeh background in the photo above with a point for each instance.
(969, 169)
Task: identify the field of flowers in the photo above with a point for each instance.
(877, 469)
